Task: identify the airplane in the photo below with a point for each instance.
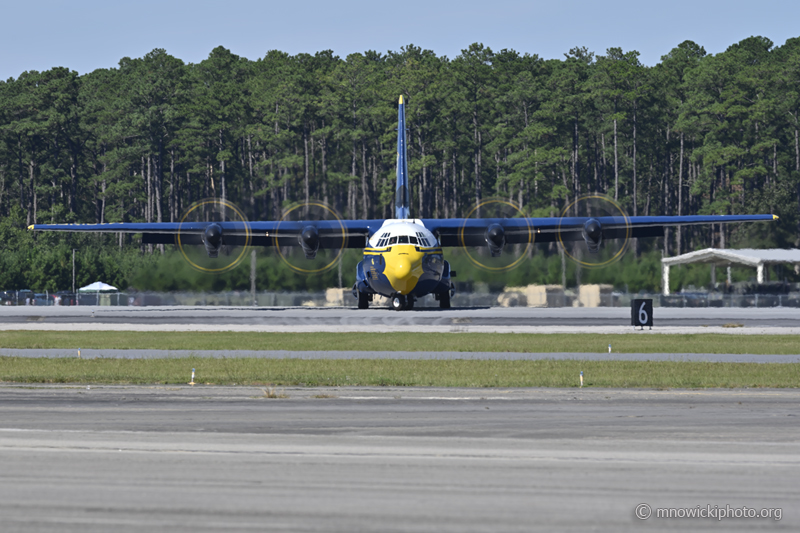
(403, 256)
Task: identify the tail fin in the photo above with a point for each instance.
(401, 200)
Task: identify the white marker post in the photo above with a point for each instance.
(581, 378)
(609, 348)
(192, 382)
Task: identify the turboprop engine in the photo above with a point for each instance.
(309, 241)
(496, 239)
(212, 239)
(593, 235)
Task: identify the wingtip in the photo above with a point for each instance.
(30, 227)
(774, 217)
(401, 100)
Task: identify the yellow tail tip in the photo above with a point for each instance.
(774, 217)
(401, 99)
(30, 227)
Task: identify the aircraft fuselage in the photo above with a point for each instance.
(403, 260)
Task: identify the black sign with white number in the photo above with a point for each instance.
(642, 312)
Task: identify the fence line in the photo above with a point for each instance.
(344, 297)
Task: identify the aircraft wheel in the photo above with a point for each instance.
(398, 302)
(444, 300)
(363, 300)
(410, 302)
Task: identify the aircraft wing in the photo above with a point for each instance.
(451, 231)
(330, 233)
(475, 231)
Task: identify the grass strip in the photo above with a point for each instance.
(434, 342)
(400, 372)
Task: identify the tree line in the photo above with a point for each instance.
(695, 134)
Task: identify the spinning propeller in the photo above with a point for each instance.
(486, 226)
(202, 243)
(320, 233)
(601, 223)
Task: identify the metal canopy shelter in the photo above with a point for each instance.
(717, 256)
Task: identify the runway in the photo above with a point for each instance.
(495, 319)
(377, 459)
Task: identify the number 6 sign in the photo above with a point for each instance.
(642, 312)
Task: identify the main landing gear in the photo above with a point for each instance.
(444, 297)
(444, 301)
(363, 300)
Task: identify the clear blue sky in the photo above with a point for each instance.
(88, 34)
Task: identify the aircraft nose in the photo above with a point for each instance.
(402, 267)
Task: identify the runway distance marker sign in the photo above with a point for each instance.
(642, 312)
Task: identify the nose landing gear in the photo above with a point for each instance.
(400, 302)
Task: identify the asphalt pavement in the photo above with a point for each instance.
(783, 320)
(395, 459)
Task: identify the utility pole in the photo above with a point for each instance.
(73, 271)
(253, 276)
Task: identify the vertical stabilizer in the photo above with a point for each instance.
(401, 200)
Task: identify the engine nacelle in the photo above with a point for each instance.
(212, 238)
(593, 235)
(496, 239)
(309, 241)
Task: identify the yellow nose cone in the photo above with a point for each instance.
(402, 267)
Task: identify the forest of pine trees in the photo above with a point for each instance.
(694, 134)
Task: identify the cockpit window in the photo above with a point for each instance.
(422, 239)
(402, 239)
(393, 240)
(413, 240)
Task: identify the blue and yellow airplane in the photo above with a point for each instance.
(403, 258)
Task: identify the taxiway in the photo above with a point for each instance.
(781, 320)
